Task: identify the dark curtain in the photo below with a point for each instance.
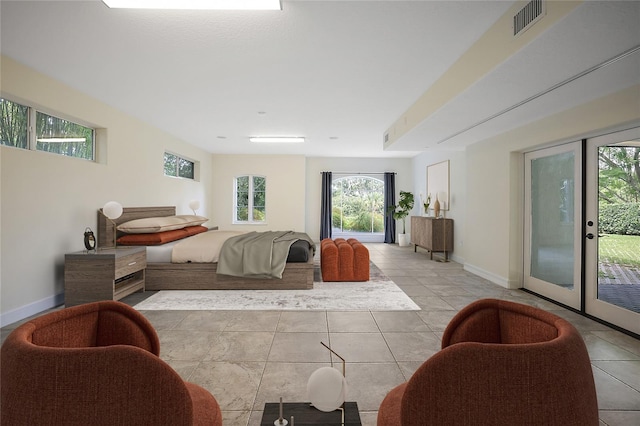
(325, 207)
(389, 200)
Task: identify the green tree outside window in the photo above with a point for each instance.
(250, 199)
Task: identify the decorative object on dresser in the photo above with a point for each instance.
(433, 235)
(165, 275)
(107, 274)
(426, 203)
(436, 207)
(89, 239)
(400, 212)
(96, 364)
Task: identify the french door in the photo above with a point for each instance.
(612, 244)
(552, 249)
(581, 246)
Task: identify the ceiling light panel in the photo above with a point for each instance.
(196, 4)
(276, 139)
(61, 140)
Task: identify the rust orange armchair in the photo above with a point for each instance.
(95, 364)
(501, 363)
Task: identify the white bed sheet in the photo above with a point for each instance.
(160, 254)
(164, 253)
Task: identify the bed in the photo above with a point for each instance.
(162, 274)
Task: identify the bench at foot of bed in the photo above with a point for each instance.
(202, 276)
(344, 260)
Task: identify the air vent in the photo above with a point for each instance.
(386, 138)
(528, 15)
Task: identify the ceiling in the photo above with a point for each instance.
(336, 72)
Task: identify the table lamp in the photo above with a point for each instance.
(112, 210)
(194, 205)
(327, 387)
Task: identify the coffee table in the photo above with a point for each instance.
(305, 414)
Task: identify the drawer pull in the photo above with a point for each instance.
(132, 263)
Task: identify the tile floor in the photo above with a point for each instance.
(247, 358)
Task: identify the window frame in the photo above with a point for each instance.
(195, 166)
(32, 133)
(368, 236)
(251, 196)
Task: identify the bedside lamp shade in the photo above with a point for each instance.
(194, 205)
(112, 210)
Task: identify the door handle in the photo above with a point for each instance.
(590, 236)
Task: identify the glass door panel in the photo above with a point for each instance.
(552, 223)
(612, 259)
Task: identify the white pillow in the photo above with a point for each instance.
(158, 224)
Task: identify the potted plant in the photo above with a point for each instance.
(401, 211)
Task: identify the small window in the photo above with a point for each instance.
(63, 137)
(250, 199)
(177, 166)
(52, 134)
(13, 127)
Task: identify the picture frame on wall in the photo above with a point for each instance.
(438, 183)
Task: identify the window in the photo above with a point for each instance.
(13, 128)
(52, 134)
(177, 166)
(358, 208)
(250, 196)
(63, 137)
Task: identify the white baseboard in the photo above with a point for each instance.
(31, 309)
(496, 279)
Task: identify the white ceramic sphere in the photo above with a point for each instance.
(327, 389)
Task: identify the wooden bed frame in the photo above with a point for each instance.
(199, 276)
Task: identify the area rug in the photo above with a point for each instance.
(379, 294)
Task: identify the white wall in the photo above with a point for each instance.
(48, 199)
(316, 165)
(494, 190)
(457, 191)
(285, 209)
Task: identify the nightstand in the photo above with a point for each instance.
(106, 274)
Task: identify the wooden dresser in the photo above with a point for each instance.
(432, 234)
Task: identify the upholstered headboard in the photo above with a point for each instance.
(106, 227)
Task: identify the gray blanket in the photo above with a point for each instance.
(258, 254)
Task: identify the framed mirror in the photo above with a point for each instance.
(438, 183)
